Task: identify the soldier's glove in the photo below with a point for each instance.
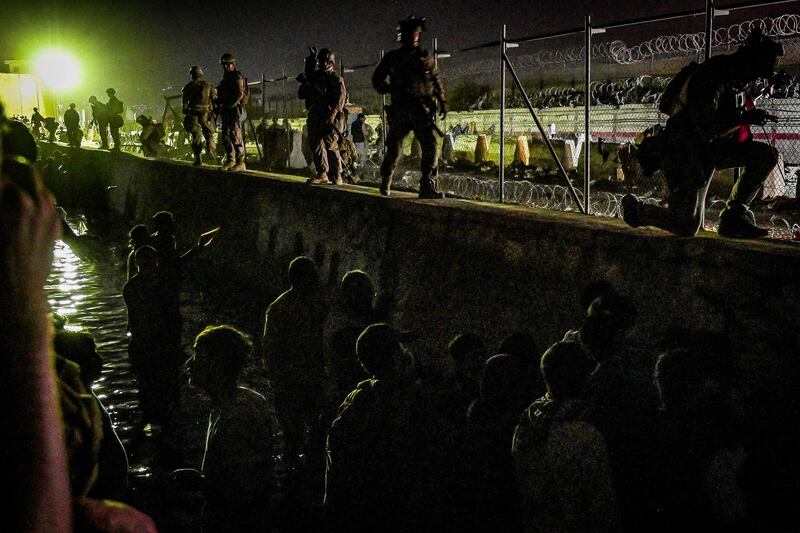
(442, 110)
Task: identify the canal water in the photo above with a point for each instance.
(88, 292)
(89, 295)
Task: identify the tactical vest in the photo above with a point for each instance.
(229, 89)
(411, 74)
(324, 89)
(114, 106)
(197, 95)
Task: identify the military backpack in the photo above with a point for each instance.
(674, 97)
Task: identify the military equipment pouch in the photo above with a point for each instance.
(245, 93)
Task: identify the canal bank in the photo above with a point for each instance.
(457, 266)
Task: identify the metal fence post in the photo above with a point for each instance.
(263, 96)
(542, 132)
(502, 166)
(286, 118)
(709, 28)
(383, 118)
(587, 109)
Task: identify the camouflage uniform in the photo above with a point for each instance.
(198, 96)
(36, 123)
(51, 126)
(695, 134)
(150, 137)
(710, 132)
(115, 121)
(325, 95)
(100, 118)
(230, 92)
(413, 82)
(72, 121)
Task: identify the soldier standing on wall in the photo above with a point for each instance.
(72, 121)
(115, 121)
(100, 119)
(198, 96)
(325, 95)
(411, 76)
(36, 123)
(232, 96)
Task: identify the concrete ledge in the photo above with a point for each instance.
(457, 266)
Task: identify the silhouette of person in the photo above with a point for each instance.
(702, 137)
(155, 336)
(293, 353)
(237, 467)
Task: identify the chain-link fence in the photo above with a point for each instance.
(626, 87)
(631, 64)
(624, 105)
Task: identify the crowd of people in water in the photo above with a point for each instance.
(512, 438)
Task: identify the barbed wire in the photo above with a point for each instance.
(554, 196)
(618, 52)
(687, 43)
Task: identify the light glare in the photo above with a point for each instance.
(58, 69)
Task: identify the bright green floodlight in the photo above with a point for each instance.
(58, 69)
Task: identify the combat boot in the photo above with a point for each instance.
(386, 186)
(229, 164)
(427, 190)
(738, 222)
(337, 180)
(239, 166)
(630, 211)
(197, 161)
(321, 178)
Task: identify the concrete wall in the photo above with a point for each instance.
(457, 266)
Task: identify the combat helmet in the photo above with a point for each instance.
(758, 43)
(761, 52)
(196, 72)
(409, 24)
(227, 59)
(324, 56)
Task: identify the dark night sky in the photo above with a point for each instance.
(141, 47)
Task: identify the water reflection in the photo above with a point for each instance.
(89, 295)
